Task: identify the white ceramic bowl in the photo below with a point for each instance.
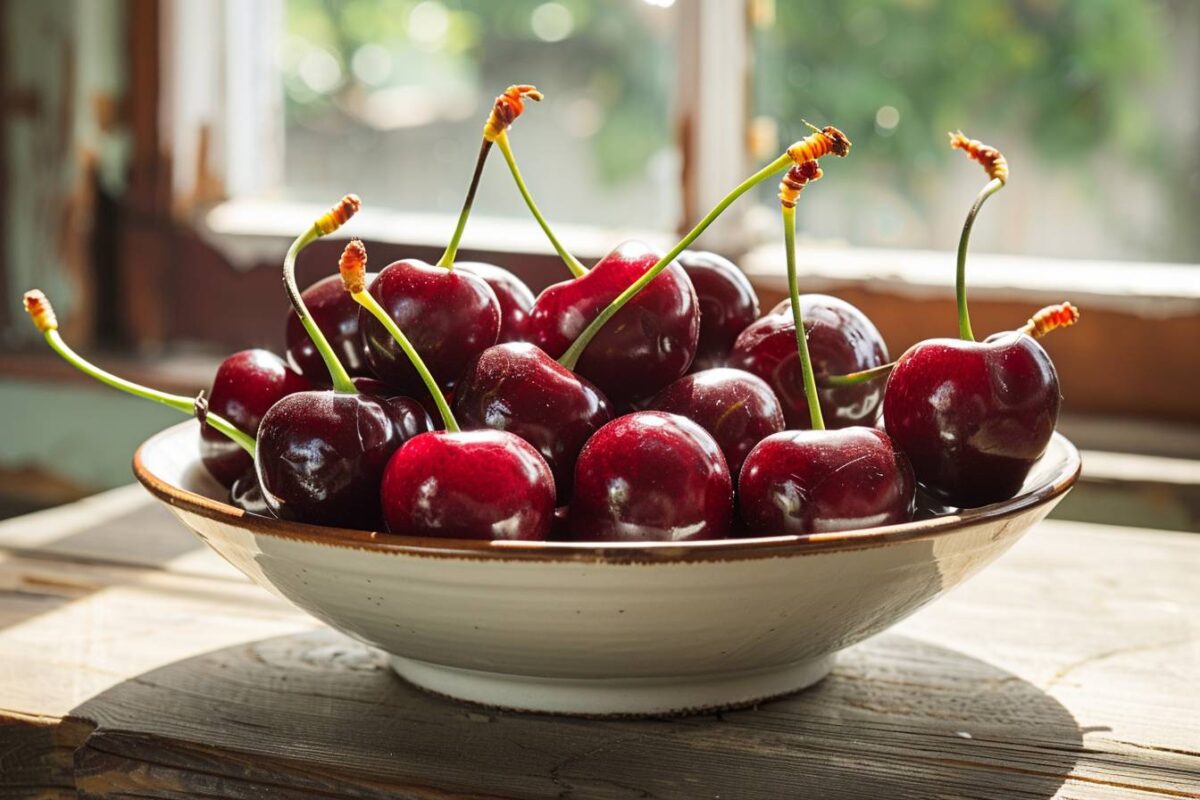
(603, 629)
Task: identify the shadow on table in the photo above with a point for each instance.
(314, 713)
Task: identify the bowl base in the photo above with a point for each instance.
(613, 697)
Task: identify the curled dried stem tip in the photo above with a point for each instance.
(795, 179)
(200, 408)
(993, 160)
(353, 267)
(339, 215)
(507, 108)
(38, 308)
(1050, 318)
(823, 142)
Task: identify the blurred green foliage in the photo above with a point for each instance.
(1070, 74)
(610, 55)
(1067, 80)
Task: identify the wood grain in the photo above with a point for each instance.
(137, 665)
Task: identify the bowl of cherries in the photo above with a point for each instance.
(630, 494)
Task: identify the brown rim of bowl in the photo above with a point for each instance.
(609, 552)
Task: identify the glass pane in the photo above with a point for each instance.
(389, 97)
(1094, 103)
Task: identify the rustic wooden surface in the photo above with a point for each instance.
(134, 663)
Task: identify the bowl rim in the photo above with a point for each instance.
(1058, 484)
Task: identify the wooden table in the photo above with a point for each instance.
(134, 663)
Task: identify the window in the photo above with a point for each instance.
(1094, 104)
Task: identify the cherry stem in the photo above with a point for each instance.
(855, 378)
(175, 401)
(571, 357)
(810, 380)
(960, 284)
(367, 301)
(337, 373)
(577, 269)
(447, 259)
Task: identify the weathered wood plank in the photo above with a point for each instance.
(1067, 669)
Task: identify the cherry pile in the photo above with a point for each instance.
(642, 399)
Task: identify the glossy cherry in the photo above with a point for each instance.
(468, 485)
(841, 339)
(247, 383)
(728, 305)
(516, 387)
(451, 316)
(973, 417)
(812, 481)
(337, 317)
(649, 343)
(738, 409)
(321, 455)
(515, 298)
(651, 476)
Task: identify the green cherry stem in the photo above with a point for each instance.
(43, 317)
(855, 378)
(328, 223)
(353, 268)
(447, 259)
(571, 357)
(572, 263)
(960, 283)
(810, 380)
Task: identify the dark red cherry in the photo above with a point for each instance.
(727, 301)
(516, 299)
(798, 482)
(247, 383)
(409, 416)
(320, 457)
(468, 485)
(516, 387)
(738, 409)
(840, 339)
(247, 495)
(450, 317)
(649, 343)
(651, 476)
(973, 417)
(336, 314)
